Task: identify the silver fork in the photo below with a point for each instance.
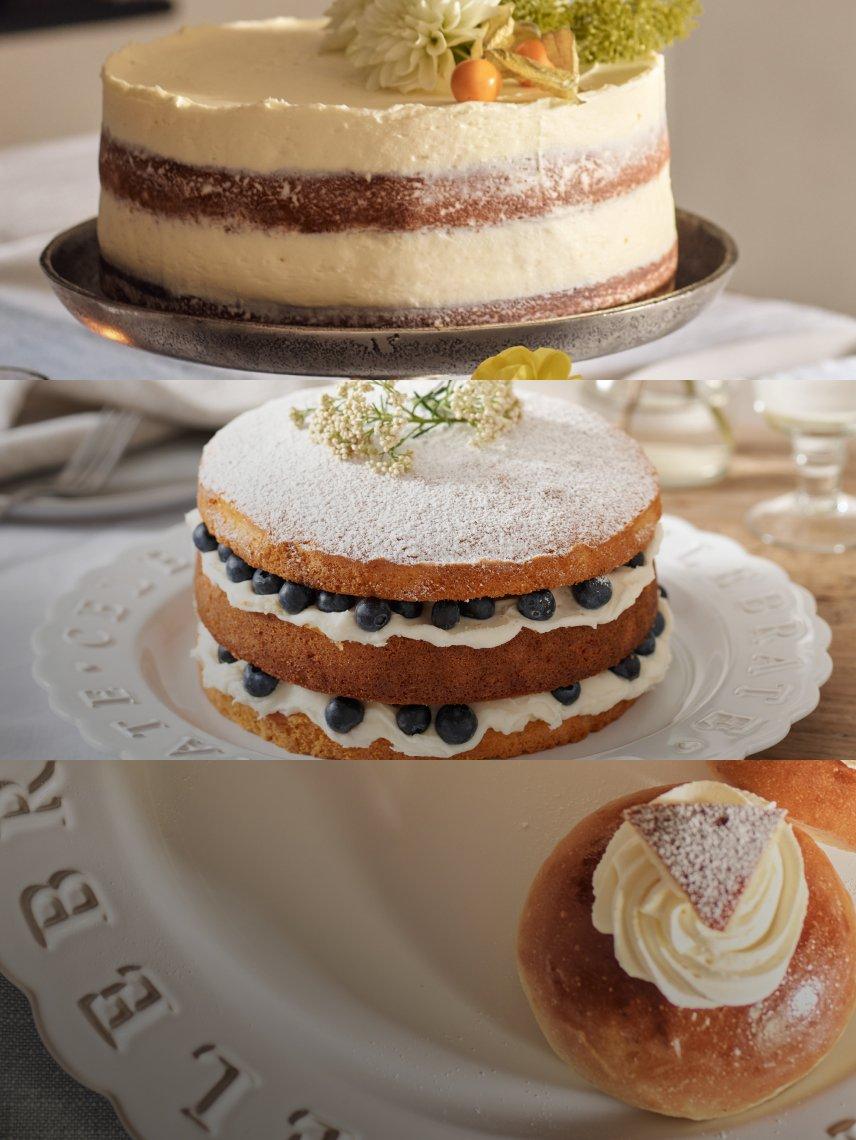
(89, 466)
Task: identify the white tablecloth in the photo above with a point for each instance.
(39, 561)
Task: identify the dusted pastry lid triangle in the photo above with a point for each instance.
(710, 850)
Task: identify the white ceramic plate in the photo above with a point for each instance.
(319, 951)
(749, 658)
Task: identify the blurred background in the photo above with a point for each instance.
(762, 104)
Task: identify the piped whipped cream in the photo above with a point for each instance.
(597, 695)
(659, 937)
(627, 585)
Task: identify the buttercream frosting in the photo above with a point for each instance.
(572, 248)
(263, 96)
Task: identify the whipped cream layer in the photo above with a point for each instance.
(263, 96)
(627, 584)
(659, 938)
(564, 251)
(597, 695)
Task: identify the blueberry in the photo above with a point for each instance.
(663, 592)
(629, 668)
(343, 713)
(413, 719)
(407, 610)
(445, 615)
(224, 552)
(567, 694)
(456, 724)
(372, 614)
(659, 624)
(294, 597)
(266, 583)
(237, 570)
(333, 603)
(593, 593)
(257, 682)
(478, 608)
(224, 656)
(636, 561)
(647, 647)
(203, 539)
(540, 605)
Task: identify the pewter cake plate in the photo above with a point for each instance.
(707, 256)
(750, 655)
(320, 951)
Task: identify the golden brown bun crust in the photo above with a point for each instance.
(620, 1033)
(426, 581)
(405, 671)
(819, 793)
(297, 733)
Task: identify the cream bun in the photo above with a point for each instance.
(690, 951)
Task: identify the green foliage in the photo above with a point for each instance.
(547, 14)
(611, 31)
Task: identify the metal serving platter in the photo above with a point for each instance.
(71, 261)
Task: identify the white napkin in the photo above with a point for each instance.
(42, 421)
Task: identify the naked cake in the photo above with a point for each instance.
(248, 172)
(493, 601)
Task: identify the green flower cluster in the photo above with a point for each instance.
(612, 31)
(547, 14)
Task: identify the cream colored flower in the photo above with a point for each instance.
(342, 19)
(521, 363)
(409, 45)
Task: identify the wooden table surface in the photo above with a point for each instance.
(762, 467)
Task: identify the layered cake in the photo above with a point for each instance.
(248, 172)
(492, 601)
(690, 950)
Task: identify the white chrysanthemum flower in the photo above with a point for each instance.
(342, 19)
(409, 44)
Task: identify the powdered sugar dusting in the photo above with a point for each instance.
(561, 478)
(710, 850)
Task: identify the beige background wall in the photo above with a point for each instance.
(763, 117)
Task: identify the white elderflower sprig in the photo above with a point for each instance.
(412, 45)
(375, 421)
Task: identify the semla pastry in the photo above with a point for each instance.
(689, 951)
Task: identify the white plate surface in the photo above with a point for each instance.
(750, 656)
(319, 951)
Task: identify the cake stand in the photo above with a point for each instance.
(71, 262)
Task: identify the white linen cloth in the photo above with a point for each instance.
(38, 561)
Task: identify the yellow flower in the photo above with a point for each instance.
(521, 363)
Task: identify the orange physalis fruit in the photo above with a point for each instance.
(535, 50)
(476, 79)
